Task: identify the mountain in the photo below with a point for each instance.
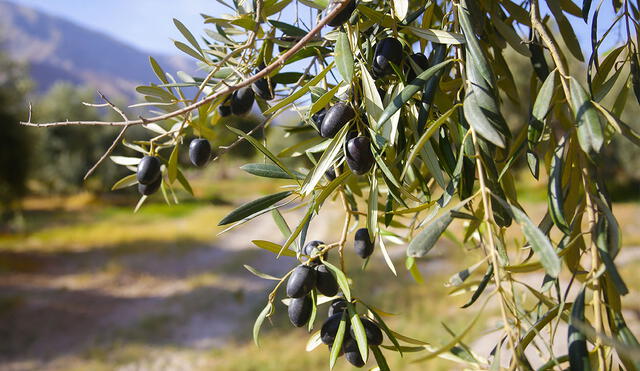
(58, 50)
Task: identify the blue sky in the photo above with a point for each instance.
(147, 24)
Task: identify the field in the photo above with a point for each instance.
(92, 286)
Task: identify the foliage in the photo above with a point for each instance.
(437, 150)
(16, 149)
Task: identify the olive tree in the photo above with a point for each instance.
(404, 101)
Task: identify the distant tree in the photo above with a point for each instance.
(404, 100)
(16, 147)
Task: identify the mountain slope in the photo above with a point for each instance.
(59, 50)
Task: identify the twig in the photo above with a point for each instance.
(115, 142)
(267, 70)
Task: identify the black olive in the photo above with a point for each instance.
(358, 155)
(242, 101)
(371, 329)
(362, 244)
(387, 50)
(337, 306)
(290, 40)
(312, 248)
(151, 188)
(300, 310)
(148, 170)
(301, 281)
(199, 151)
(344, 14)
(352, 352)
(225, 107)
(263, 87)
(336, 117)
(318, 117)
(326, 283)
(421, 61)
(330, 328)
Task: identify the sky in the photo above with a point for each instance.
(147, 24)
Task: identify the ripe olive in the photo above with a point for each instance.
(362, 244)
(352, 352)
(325, 281)
(330, 328)
(330, 174)
(336, 117)
(301, 281)
(225, 107)
(358, 154)
(344, 14)
(199, 151)
(318, 117)
(148, 170)
(387, 50)
(300, 310)
(263, 87)
(337, 306)
(421, 61)
(151, 188)
(242, 101)
(371, 329)
(312, 248)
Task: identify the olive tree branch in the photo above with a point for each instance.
(267, 70)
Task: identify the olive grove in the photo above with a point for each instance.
(400, 108)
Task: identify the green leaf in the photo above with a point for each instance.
(300, 92)
(184, 182)
(372, 209)
(253, 207)
(483, 284)
(187, 34)
(125, 182)
(270, 171)
(541, 108)
(387, 258)
(125, 161)
(281, 223)
(337, 343)
(358, 332)
(256, 326)
(273, 247)
(511, 36)
(344, 57)
(420, 246)
(187, 50)
(259, 146)
(158, 70)
(577, 342)
(539, 242)
(172, 167)
(408, 92)
(324, 100)
(380, 360)
(341, 278)
(555, 191)
(326, 161)
(566, 29)
(589, 126)
(287, 28)
(257, 273)
(437, 36)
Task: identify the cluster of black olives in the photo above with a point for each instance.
(241, 101)
(389, 51)
(149, 172)
(350, 349)
(306, 277)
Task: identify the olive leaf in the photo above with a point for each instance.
(358, 332)
(577, 342)
(253, 207)
(258, 323)
(344, 57)
(420, 246)
(270, 171)
(590, 134)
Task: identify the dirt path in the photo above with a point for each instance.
(76, 304)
